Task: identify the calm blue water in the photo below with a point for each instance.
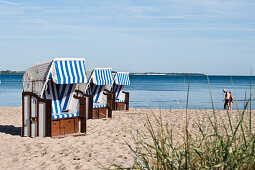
(152, 91)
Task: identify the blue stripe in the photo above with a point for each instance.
(120, 101)
(68, 96)
(44, 95)
(82, 78)
(54, 97)
(64, 115)
(98, 93)
(67, 72)
(99, 105)
(71, 71)
(71, 67)
(77, 72)
(102, 76)
(118, 91)
(63, 75)
(50, 76)
(97, 81)
(57, 71)
(122, 79)
(83, 73)
(104, 72)
(62, 92)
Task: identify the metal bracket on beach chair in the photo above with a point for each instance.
(33, 119)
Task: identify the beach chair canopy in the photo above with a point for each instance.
(99, 79)
(59, 70)
(120, 80)
(101, 76)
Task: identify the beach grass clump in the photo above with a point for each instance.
(218, 145)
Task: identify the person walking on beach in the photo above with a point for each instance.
(227, 98)
(231, 99)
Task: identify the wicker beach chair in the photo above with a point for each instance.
(52, 104)
(120, 79)
(100, 100)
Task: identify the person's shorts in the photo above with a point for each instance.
(226, 101)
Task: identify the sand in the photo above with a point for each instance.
(103, 145)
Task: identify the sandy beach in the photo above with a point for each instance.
(103, 145)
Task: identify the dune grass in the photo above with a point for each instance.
(217, 146)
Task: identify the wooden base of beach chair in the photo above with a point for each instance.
(120, 106)
(65, 126)
(37, 118)
(98, 113)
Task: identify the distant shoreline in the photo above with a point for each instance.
(169, 74)
(8, 72)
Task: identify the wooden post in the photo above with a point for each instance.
(114, 102)
(127, 100)
(110, 104)
(23, 116)
(90, 105)
(82, 115)
(48, 119)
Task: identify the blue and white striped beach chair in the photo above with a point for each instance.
(49, 105)
(98, 80)
(121, 79)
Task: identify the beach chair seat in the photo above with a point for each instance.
(64, 115)
(99, 105)
(120, 101)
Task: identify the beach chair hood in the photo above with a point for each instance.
(102, 76)
(122, 78)
(60, 70)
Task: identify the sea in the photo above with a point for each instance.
(163, 91)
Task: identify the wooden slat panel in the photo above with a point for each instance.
(55, 128)
(69, 126)
(102, 112)
(120, 106)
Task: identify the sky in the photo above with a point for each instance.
(198, 36)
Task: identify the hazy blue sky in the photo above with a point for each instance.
(207, 36)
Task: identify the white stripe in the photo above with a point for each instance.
(61, 74)
(70, 72)
(74, 71)
(64, 68)
(57, 100)
(83, 71)
(79, 70)
(107, 75)
(99, 77)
